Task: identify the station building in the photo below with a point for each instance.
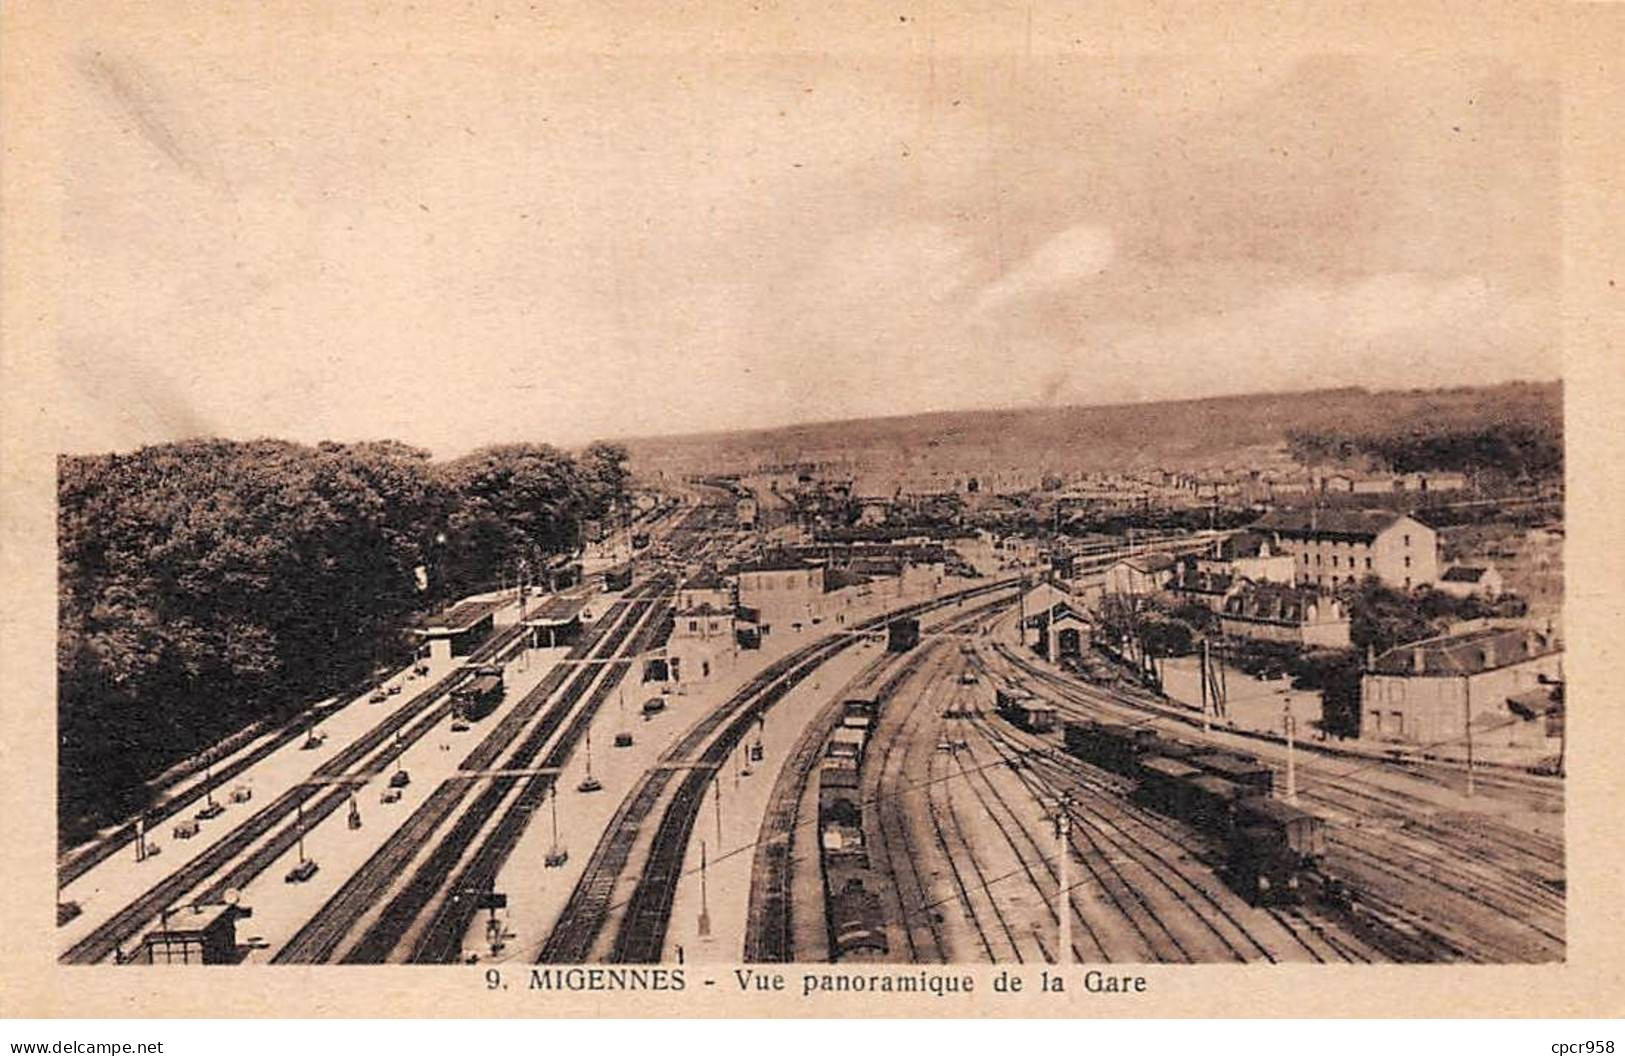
(459, 630)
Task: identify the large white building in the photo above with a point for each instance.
(1333, 547)
(781, 589)
(1423, 691)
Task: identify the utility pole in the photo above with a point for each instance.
(1291, 759)
(705, 902)
(1207, 674)
(716, 801)
(1063, 908)
(1467, 700)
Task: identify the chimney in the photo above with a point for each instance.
(1370, 657)
(1417, 662)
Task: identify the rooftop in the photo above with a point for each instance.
(1464, 654)
(1463, 574)
(458, 618)
(1331, 523)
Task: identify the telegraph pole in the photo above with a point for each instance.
(1063, 892)
(1467, 699)
(705, 902)
(1291, 759)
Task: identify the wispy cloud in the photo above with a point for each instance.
(1075, 255)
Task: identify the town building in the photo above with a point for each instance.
(1300, 616)
(1248, 555)
(1195, 586)
(780, 588)
(1466, 581)
(1340, 546)
(1423, 692)
(1140, 574)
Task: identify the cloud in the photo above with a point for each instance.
(1079, 253)
(1384, 330)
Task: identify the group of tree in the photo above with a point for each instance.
(1512, 432)
(209, 584)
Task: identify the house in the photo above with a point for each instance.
(1059, 630)
(873, 512)
(1300, 616)
(746, 511)
(1422, 692)
(705, 587)
(1334, 547)
(1197, 586)
(781, 587)
(1465, 581)
(1248, 555)
(1140, 574)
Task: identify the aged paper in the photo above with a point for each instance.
(538, 510)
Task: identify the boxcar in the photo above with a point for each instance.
(1211, 803)
(857, 923)
(616, 579)
(1238, 769)
(1165, 785)
(902, 635)
(477, 698)
(1273, 845)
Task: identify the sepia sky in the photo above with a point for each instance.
(457, 245)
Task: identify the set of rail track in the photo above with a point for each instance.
(641, 934)
(364, 758)
(224, 865)
(1429, 889)
(592, 670)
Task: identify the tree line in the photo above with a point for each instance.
(208, 584)
(1511, 432)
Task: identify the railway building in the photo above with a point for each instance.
(204, 934)
(1333, 547)
(459, 630)
(555, 622)
(782, 588)
(1300, 616)
(1139, 575)
(1424, 692)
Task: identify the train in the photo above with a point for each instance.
(617, 579)
(902, 634)
(480, 695)
(855, 915)
(1271, 847)
(1024, 710)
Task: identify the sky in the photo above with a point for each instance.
(457, 246)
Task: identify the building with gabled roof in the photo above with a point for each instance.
(1423, 691)
(1274, 612)
(1333, 547)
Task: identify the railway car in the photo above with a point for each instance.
(1272, 846)
(857, 923)
(902, 634)
(1113, 746)
(640, 540)
(835, 772)
(1211, 803)
(1238, 769)
(479, 696)
(1165, 785)
(617, 579)
(867, 707)
(848, 743)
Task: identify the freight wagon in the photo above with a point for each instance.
(479, 696)
(903, 634)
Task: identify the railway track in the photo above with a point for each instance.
(640, 937)
(1495, 896)
(769, 928)
(102, 941)
(431, 876)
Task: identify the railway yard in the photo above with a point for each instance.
(908, 784)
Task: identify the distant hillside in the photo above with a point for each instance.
(1316, 426)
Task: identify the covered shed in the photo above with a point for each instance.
(555, 622)
(458, 631)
